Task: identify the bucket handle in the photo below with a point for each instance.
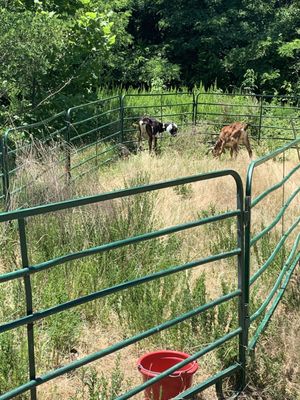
(157, 373)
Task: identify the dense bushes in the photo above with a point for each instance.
(55, 54)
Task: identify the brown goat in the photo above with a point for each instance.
(231, 136)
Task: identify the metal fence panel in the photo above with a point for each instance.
(32, 315)
(291, 259)
(88, 135)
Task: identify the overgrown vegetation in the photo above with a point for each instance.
(55, 54)
(95, 325)
(58, 54)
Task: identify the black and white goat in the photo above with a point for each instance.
(152, 129)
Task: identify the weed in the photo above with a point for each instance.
(185, 191)
(100, 386)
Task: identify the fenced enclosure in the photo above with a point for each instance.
(285, 254)
(86, 124)
(166, 107)
(89, 135)
(251, 317)
(269, 116)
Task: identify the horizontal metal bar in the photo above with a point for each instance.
(94, 156)
(102, 353)
(208, 382)
(276, 219)
(134, 118)
(14, 170)
(190, 103)
(277, 283)
(51, 135)
(169, 371)
(269, 96)
(230, 115)
(103, 139)
(84, 161)
(82, 201)
(36, 316)
(35, 125)
(229, 94)
(121, 243)
(80, 149)
(157, 94)
(288, 117)
(92, 169)
(274, 153)
(282, 139)
(278, 127)
(271, 311)
(100, 140)
(93, 103)
(141, 107)
(218, 123)
(76, 123)
(275, 251)
(14, 151)
(230, 105)
(19, 189)
(58, 131)
(269, 107)
(160, 105)
(272, 188)
(94, 130)
(184, 113)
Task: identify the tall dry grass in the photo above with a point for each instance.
(98, 325)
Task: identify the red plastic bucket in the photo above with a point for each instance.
(151, 364)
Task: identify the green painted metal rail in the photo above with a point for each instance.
(33, 316)
(89, 134)
(273, 298)
(246, 240)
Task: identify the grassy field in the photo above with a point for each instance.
(70, 335)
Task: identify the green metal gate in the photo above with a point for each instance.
(247, 324)
(33, 316)
(290, 256)
(89, 134)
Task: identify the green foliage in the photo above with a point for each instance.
(31, 47)
(55, 54)
(98, 386)
(224, 236)
(13, 359)
(185, 191)
(249, 81)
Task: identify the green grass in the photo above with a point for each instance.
(136, 309)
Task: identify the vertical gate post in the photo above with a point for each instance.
(260, 117)
(247, 223)
(67, 146)
(295, 137)
(29, 305)
(5, 170)
(243, 284)
(194, 109)
(2, 168)
(122, 100)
